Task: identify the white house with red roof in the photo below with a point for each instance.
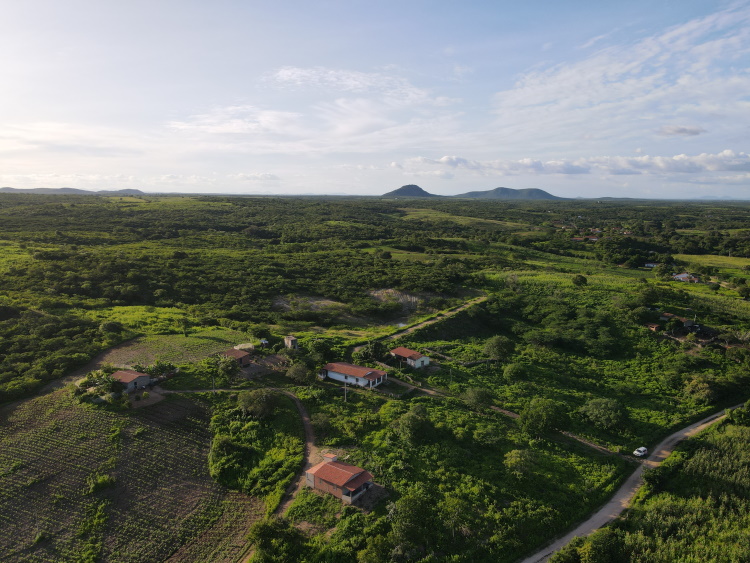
(354, 375)
(131, 379)
(344, 481)
(412, 358)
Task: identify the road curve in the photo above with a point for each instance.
(624, 495)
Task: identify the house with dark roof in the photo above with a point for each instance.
(412, 358)
(131, 379)
(241, 356)
(344, 481)
(354, 375)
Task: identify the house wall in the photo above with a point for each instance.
(421, 362)
(327, 487)
(137, 383)
(361, 381)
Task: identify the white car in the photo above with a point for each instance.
(640, 452)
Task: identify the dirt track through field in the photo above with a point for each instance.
(624, 495)
(312, 457)
(428, 322)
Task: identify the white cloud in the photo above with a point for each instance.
(242, 120)
(725, 161)
(256, 177)
(622, 92)
(680, 130)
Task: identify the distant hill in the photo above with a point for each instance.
(410, 190)
(69, 191)
(509, 193)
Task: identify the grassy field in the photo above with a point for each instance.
(174, 348)
(432, 215)
(723, 262)
(100, 485)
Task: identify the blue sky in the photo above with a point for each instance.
(591, 99)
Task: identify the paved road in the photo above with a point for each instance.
(624, 495)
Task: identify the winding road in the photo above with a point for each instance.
(624, 495)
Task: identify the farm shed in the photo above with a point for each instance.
(356, 375)
(291, 342)
(243, 358)
(132, 380)
(412, 358)
(344, 481)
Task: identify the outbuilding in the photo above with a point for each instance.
(131, 379)
(412, 358)
(241, 356)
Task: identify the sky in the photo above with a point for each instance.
(579, 98)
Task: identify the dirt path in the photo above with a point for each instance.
(437, 319)
(312, 453)
(624, 495)
(312, 457)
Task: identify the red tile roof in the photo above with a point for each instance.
(355, 371)
(236, 354)
(341, 474)
(406, 353)
(128, 375)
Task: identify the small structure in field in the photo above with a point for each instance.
(685, 277)
(131, 379)
(344, 481)
(241, 356)
(412, 358)
(291, 342)
(653, 327)
(356, 375)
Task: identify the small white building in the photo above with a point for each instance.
(132, 380)
(412, 358)
(291, 342)
(685, 277)
(354, 375)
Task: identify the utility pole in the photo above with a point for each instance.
(344, 391)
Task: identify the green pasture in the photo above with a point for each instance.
(715, 261)
(418, 214)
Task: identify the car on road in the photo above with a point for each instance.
(640, 452)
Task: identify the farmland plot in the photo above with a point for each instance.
(113, 486)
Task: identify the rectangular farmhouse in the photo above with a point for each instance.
(355, 375)
(344, 481)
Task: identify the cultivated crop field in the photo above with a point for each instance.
(107, 485)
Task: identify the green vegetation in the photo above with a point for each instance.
(561, 339)
(695, 505)
(257, 444)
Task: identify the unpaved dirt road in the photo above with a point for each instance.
(624, 495)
